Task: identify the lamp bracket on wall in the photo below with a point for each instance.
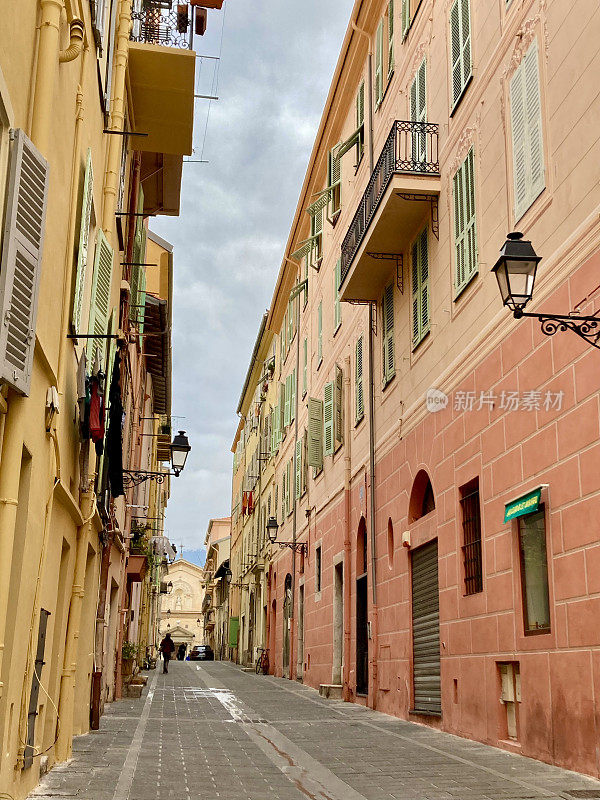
(587, 328)
(297, 547)
(135, 477)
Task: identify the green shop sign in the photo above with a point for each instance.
(528, 504)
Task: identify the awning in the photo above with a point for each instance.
(220, 573)
(157, 348)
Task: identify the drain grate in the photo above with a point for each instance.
(591, 794)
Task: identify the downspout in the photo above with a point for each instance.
(76, 36)
(66, 700)
(117, 119)
(347, 534)
(371, 349)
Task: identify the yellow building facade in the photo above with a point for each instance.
(83, 161)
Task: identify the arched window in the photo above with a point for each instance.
(422, 498)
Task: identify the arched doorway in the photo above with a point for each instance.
(362, 632)
(425, 605)
(287, 615)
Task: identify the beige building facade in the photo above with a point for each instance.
(181, 608)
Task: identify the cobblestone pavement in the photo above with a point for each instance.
(211, 731)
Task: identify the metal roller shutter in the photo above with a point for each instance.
(426, 629)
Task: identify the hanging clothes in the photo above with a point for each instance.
(114, 436)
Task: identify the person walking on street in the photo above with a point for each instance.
(167, 646)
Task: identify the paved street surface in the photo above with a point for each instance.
(211, 731)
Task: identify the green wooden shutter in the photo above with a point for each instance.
(281, 411)
(286, 412)
(283, 495)
(305, 368)
(405, 18)
(360, 120)
(389, 361)
(328, 418)
(460, 41)
(420, 287)
(84, 236)
(390, 38)
(337, 306)
(304, 459)
(111, 350)
(465, 229)
(293, 396)
(298, 470)
(338, 416)
(101, 291)
(526, 124)
(316, 233)
(418, 112)
(334, 181)
(358, 381)
(274, 421)
(288, 485)
(320, 332)
(379, 64)
(315, 433)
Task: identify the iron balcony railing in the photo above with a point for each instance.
(159, 22)
(411, 147)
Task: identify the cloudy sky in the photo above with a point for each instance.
(277, 60)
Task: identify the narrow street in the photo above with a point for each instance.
(212, 731)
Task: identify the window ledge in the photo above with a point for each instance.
(358, 421)
(423, 338)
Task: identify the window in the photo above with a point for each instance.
(384, 52)
(460, 48)
(471, 548)
(300, 464)
(316, 235)
(534, 573)
(418, 113)
(328, 418)
(318, 569)
(338, 408)
(420, 288)
(305, 367)
(315, 434)
(337, 306)
(526, 125)
(334, 184)
(360, 121)
(409, 11)
(359, 400)
(85, 226)
(387, 308)
(320, 334)
(465, 227)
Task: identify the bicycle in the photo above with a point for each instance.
(262, 662)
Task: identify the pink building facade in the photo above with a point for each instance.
(446, 502)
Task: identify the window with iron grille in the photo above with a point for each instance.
(471, 548)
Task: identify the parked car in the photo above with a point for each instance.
(201, 652)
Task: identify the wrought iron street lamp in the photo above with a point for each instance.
(272, 528)
(515, 272)
(230, 582)
(180, 447)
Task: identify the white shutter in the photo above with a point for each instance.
(101, 291)
(534, 122)
(315, 433)
(526, 123)
(20, 267)
(84, 236)
(465, 231)
(418, 113)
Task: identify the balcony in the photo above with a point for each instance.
(161, 73)
(400, 197)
